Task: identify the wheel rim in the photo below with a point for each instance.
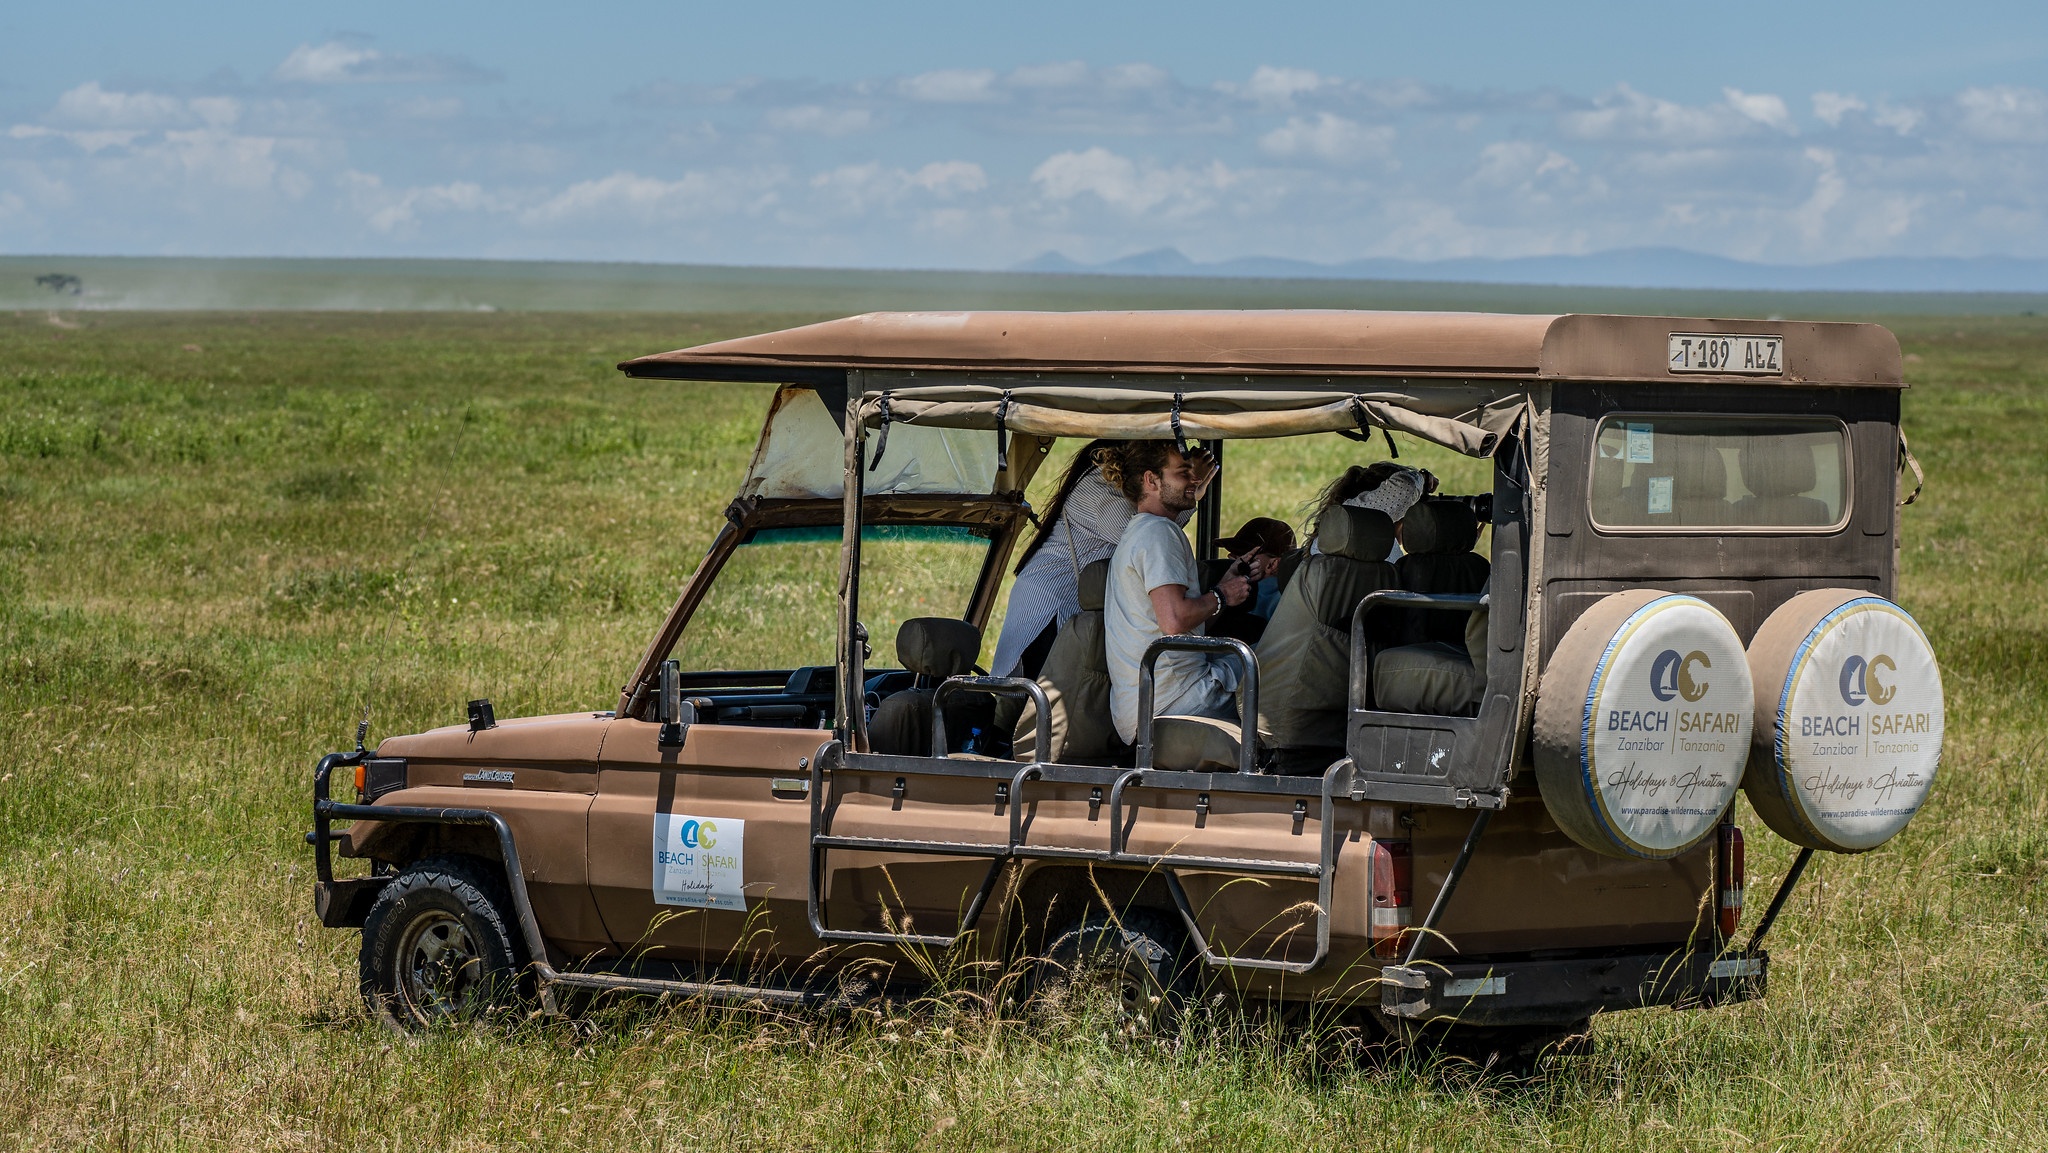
(438, 967)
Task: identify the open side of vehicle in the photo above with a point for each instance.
(1557, 787)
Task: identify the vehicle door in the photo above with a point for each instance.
(699, 852)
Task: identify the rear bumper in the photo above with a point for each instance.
(1557, 992)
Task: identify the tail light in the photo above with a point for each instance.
(1388, 869)
(1728, 878)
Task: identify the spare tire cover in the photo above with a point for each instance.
(1849, 715)
(1643, 723)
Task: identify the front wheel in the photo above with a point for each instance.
(438, 946)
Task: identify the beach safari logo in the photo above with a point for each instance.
(1867, 680)
(698, 835)
(700, 862)
(1672, 675)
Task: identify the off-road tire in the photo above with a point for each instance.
(439, 946)
(1141, 957)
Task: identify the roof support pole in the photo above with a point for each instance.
(851, 684)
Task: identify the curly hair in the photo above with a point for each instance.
(1091, 457)
(1353, 481)
(1125, 467)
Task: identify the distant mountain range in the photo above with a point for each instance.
(1617, 268)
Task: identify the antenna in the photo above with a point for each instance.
(363, 728)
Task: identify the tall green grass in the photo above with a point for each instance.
(221, 536)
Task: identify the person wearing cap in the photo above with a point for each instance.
(1255, 551)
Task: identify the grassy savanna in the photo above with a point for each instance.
(221, 535)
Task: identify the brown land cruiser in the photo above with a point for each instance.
(1515, 823)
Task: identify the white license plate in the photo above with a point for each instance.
(1719, 353)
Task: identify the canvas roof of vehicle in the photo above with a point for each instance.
(1275, 343)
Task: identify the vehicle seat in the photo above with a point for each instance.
(1443, 677)
(932, 648)
(1439, 536)
(1776, 473)
(1196, 744)
(1305, 654)
(1699, 483)
(1075, 678)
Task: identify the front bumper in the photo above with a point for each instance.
(1561, 991)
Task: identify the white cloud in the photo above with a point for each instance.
(1068, 74)
(1830, 107)
(342, 62)
(1328, 137)
(402, 212)
(1898, 118)
(1279, 86)
(1522, 166)
(1095, 161)
(1127, 185)
(90, 104)
(951, 86)
(2005, 114)
(1628, 115)
(646, 199)
(821, 120)
(950, 177)
(860, 188)
(1762, 107)
(1135, 77)
(1828, 190)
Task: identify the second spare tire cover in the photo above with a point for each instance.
(1643, 723)
(1849, 713)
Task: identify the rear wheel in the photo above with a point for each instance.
(1137, 964)
(438, 946)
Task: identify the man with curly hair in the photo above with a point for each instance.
(1155, 590)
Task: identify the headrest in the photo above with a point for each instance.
(937, 646)
(1094, 585)
(1437, 527)
(1365, 534)
(1696, 469)
(1778, 467)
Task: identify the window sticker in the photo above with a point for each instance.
(700, 861)
(1642, 444)
(1660, 495)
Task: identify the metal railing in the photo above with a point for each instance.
(1247, 693)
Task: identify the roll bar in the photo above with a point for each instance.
(995, 687)
(1247, 693)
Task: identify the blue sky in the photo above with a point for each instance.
(957, 135)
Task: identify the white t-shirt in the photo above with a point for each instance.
(1155, 552)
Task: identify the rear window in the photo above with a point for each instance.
(1660, 470)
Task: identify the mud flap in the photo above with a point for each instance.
(344, 904)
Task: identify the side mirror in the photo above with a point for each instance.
(674, 713)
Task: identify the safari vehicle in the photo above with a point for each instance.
(1515, 822)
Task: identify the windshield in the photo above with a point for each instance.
(774, 604)
(1660, 470)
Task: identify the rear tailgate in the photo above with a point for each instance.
(1530, 889)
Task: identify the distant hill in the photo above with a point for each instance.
(1618, 268)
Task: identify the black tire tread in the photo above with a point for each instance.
(477, 885)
